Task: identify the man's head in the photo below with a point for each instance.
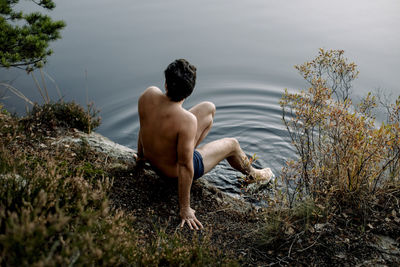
(180, 78)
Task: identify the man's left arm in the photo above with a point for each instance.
(185, 173)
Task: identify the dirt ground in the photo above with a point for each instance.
(153, 201)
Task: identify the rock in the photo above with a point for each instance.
(118, 166)
(102, 144)
(20, 181)
(388, 247)
(127, 156)
(259, 186)
(41, 145)
(211, 192)
(319, 226)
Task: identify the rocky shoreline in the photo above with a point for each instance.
(142, 192)
(242, 231)
(126, 158)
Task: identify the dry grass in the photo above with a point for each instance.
(344, 188)
(55, 208)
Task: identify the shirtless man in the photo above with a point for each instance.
(170, 134)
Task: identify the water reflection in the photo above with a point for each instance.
(248, 111)
(244, 52)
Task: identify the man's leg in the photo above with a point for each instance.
(204, 113)
(229, 148)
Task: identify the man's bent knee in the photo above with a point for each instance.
(209, 107)
(233, 143)
(203, 109)
(212, 107)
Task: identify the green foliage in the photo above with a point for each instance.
(281, 223)
(343, 156)
(3, 110)
(175, 250)
(62, 114)
(25, 38)
(273, 229)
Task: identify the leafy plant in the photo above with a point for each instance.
(343, 156)
(24, 38)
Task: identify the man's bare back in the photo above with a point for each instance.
(162, 121)
(169, 135)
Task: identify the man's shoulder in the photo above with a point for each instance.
(152, 93)
(187, 119)
(152, 90)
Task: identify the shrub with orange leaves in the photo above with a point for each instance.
(343, 156)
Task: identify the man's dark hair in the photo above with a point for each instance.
(180, 77)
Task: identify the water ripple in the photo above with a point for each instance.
(248, 111)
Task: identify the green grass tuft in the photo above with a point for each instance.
(62, 114)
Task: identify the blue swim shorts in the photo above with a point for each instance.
(198, 165)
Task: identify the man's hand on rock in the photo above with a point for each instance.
(187, 215)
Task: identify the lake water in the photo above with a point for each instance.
(244, 52)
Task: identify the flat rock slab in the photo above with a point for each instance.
(102, 144)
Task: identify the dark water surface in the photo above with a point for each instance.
(244, 52)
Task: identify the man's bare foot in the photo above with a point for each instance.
(262, 175)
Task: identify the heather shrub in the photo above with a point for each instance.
(55, 210)
(49, 218)
(175, 250)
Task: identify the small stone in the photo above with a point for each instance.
(340, 256)
(319, 226)
(290, 231)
